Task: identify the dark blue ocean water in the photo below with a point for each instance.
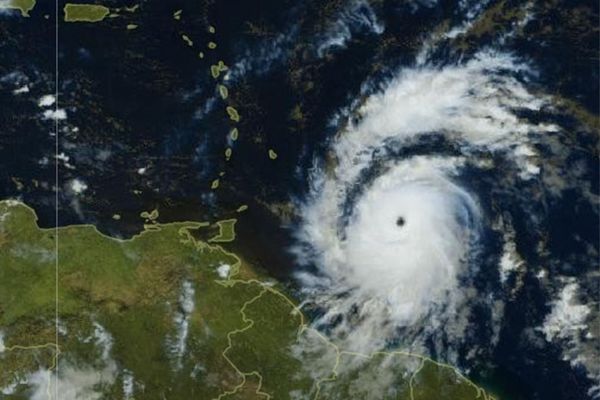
(142, 99)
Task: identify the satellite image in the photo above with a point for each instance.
(299, 199)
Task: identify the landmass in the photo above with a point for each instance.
(165, 315)
(85, 12)
(25, 6)
(226, 231)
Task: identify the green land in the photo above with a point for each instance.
(22, 5)
(85, 12)
(154, 317)
(226, 231)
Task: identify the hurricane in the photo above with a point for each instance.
(408, 234)
(300, 200)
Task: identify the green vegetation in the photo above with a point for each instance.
(85, 12)
(226, 231)
(216, 69)
(405, 376)
(296, 113)
(223, 91)
(233, 114)
(187, 40)
(163, 315)
(22, 5)
(149, 216)
(234, 134)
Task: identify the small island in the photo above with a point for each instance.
(85, 12)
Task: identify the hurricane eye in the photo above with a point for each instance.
(400, 221)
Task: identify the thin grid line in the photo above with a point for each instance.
(56, 197)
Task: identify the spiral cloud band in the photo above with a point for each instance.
(408, 238)
(392, 226)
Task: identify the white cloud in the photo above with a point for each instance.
(73, 383)
(59, 114)
(510, 261)
(178, 343)
(21, 90)
(128, 385)
(46, 100)
(223, 270)
(388, 276)
(104, 340)
(78, 186)
(357, 16)
(568, 316)
(568, 325)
